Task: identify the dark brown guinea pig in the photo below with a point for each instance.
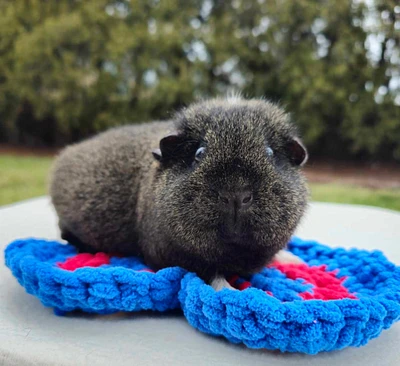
(217, 190)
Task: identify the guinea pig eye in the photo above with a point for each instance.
(269, 151)
(200, 153)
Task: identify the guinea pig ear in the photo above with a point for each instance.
(297, 152)
(171, 146)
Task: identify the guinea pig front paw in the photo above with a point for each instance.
(285, 257)
(218, 283)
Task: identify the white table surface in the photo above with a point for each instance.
(31, 334)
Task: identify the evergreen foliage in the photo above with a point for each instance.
(70, 68)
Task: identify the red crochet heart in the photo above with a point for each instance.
(85, 260)
(325, 284)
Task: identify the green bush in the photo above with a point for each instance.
(70, 68)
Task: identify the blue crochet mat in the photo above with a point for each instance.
(123, 285)
(305, 308)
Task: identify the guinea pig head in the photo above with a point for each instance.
(231, 192)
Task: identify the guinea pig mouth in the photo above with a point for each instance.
(234, 237)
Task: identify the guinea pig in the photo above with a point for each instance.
(217, 190)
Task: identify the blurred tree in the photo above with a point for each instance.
(71, 68)
(334, 63)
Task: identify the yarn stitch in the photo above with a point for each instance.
(340, 298)
(285, 321)
(125, 284)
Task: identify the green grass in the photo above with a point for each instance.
(23, 177)
(334, 192)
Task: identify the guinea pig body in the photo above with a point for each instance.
(97, 185)
(217, 190)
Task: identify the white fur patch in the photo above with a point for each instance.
(219, 283)
(233, 96)
(283, 256)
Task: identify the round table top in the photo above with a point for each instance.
(31, 334)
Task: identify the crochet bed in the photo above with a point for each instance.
(337, 298)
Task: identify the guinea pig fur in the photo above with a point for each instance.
(217, 190)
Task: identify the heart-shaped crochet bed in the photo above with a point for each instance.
(338, 298)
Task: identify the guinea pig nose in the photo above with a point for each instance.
(237, 200)
(244, 199)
